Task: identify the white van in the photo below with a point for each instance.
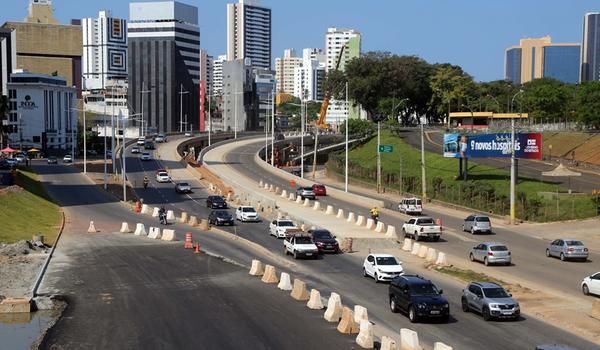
(411, 206)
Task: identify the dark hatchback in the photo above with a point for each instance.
(325, 241)
(220, 218)
(418, 298)
(216, 202)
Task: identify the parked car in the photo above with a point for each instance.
(163, 176)
(382, 267)
(149, 145)
(477, 223)
(20, 158)
(246, 213)
(282, 228)
(491, 253)
(145, 156)
(183, 187)
(567, 248)
(319, 190)
(92, 152)
(216, 202)
(68, 158)
(421, 228)
(411, 206)
(300, 245)
(141, 141)
(305, 192)
(489, 299)
(52, 160)
(135, 150)
(325, 241)
(220, 218)
(418, 297)
(591, 284)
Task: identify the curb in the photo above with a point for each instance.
(47, 262)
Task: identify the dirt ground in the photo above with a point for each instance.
(20, 264)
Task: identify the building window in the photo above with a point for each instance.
(36, 139)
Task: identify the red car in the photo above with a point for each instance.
(319, 190)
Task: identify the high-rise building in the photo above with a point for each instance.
(284, 71)
(8, 56)
(104, 51)
(164, 59)
(237, 95)
(217, 78)
(249, 33)
(309, 78)
(46, 47)
(536, 58)
(206, 71)
(590, 48)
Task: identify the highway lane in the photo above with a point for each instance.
(342, 273)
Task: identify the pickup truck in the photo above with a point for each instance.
(421, 228)
(282, 228)
(300, 245)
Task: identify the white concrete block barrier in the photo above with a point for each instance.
(292, 197)
(146, 209)
(271, 188)
(184, 217)
(329, 210)
(407, 246)
(422, 251)
(415, 248)
(140, 230)
(431, 255)
(388, 343)
(441, 259)
(409, 339)
(380, 227)
(125, 228)
(365, 335)
(299, 200)
(360, 314)
(266, 186)
(360, 221)
(340, 214)
(351, 217)
(391, 232)
(155, 211)
(306, 202)
(154, 233)
(441, 346)
(170, 215)
(317, 206)
(334, 308)
(257, 268)
(285, 282)
(260, 183)
(284, 194)
(92, 228)
(314, 301)
(370, 224)
(168, 235)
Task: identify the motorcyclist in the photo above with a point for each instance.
(162, 215)
(374, 214)
(146, 181)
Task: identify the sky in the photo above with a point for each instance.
(469, 33)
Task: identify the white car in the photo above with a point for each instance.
(410, 206)
(300, 245)
(160, 138)
(135, 150)
(591, 284)
(282, 228)
(382, 267)
(20, 158)
(141, 141)
(145, 156)
(246, 213)
(188, 134)
(67, 159)
(163, 176)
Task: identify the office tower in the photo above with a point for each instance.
(284, 71)
(8, 56)
(249, 33)
(206, 71)
(104, 51)
(590, 48)
(217, 78)
(164, 63)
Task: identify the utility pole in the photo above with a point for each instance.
(267, 133)
(346, 164)
(423, 177)
(84, 141)
(378, 156)
(273, 127)
(105, 166)
(302, 116)
(235, 126)
(209, 119)
(512, 172)
(181, 93)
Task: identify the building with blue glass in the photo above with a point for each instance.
(590, 48)
(561, 62)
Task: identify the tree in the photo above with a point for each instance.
(544, 98)
(587, 104)
(451, 86)
(358, 127)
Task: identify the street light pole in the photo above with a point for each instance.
(209, 119)
(84, 142)
(423, 175)
(273, 127)
(513, 173)
(346, 163)
(378, 156)
(235, 115)
(181, 93)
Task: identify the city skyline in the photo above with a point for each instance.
(443, 36)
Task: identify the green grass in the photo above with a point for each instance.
(468, 275)
(490, 185)
(28, 212)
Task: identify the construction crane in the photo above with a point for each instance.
(323, 112)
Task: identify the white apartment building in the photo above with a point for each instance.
(104, 51)
(309, 77)
(249, 33)
(217, 75)
(206, 71)
(284, 71)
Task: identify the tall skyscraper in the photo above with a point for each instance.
(217, 78)
(536, 58)
(164, 58)
(104, 51)
(249, 33)
(284, 71)
(206, 71)
(590, 48)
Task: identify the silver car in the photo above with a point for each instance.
(567, 248)
(491, 300)
(477, 223)
(491, 253)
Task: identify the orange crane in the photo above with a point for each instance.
(328, 92)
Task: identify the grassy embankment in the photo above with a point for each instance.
(487, 189)
(29, 211)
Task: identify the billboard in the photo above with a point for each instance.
(527, 145)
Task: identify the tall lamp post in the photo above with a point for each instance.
(181, 93)
(513, 173)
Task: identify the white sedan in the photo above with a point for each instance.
(163, 176)
(382, 267)
(591, 284)
(246, 213)
(145, 156)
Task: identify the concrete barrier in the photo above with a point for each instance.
(431, 255)
(146, 209)
(391, 232)
(314, 301)
(270, 275)
(260, 183)
(595, 313)
(360, 220)
(155, 212)
(15, 306)
(407, 246)
(257, 268)
(409, 339)
(299, 291)
(441, 346)
(299, 200)
(415, 248)
(351, 217)
(304, 228)
(422, 251)
(170, 215)
(380, 228)
(140, 230)
(203, 225)
(193, 221)
(285, 282)
(306, 202)
(229, 197)
(284, 194)
(292, 197)
(334, 308)
(154, 233)
(92, 228)
(360, 313)
(125, 228)
(370, 224)
(329, 210)
(168, 235)
(184, 217)
(388, 343)
(340, 214)
(317, 206)
(271, 188)
(266, 186)
(365, 335)
(441, 259)
(347, 324)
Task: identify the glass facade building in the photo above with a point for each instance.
(561, 62)
(590, 50)
(513, 65)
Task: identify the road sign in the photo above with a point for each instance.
(386, 148)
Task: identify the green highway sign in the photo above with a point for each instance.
(386, 148)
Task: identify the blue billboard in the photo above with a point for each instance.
(527, 145)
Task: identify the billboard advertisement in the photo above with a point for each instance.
(527, 145)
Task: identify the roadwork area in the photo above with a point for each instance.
(20, 263)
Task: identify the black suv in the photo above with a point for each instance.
(418, 297)
(216, 202)
(220, 217)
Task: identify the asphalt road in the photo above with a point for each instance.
(342, 273)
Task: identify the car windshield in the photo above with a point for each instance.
(495, 293)
(426, 221)
(307, 188)
(322, 234)
(576, 243)
(482, 219)
(222, 214)
(248, 210)
(163, 174)
(303, 240)
(386, 260)
(216, 199)
(286, 224)
(498, 248)
(423, 289)
(183, 184)
(410, 202)
(146, 154)
(418, 202)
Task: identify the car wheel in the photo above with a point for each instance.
(412, 314)
(404, 232)
(472, 230)
(486, 262)
(393, 306)
(295, 254)
(562, 257)
(376, 277)
(548, 252)
(464, 304)
(364, 272)
(486, 314)
(585, 289)
(471, 257)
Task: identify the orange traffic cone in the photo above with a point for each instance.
(197, 249)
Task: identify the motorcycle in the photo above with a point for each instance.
(162, 217)
(375, 217)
